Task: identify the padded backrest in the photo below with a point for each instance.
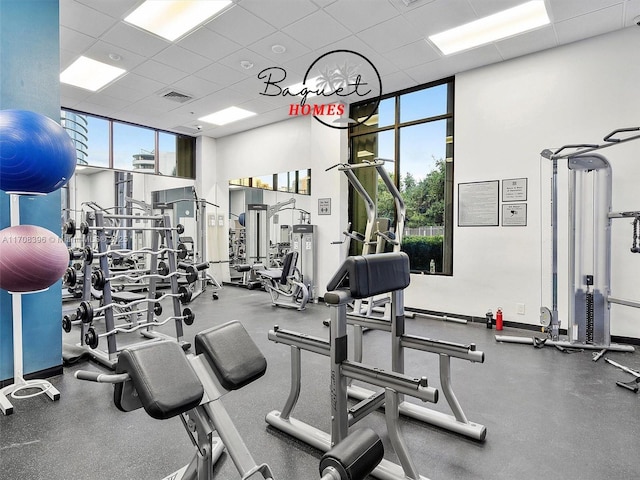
(161, 374)
(366, 276)
(232, 354)
(288, 266)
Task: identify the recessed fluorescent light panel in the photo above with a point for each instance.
(228, 115)
(90, 74)
(171, 19)
(507, 23)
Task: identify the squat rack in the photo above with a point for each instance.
(587, 304)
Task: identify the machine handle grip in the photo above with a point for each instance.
(619, 130)
(101, 377)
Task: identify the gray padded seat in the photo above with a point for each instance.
(232, 354)
(161, 374)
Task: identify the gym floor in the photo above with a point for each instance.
(548, 414)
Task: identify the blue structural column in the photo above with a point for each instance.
(30, 80)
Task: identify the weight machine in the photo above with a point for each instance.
(161, 379)
(589, 248)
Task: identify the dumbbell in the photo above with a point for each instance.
(85, 254)
(353, 458)
(193, 269)
(70, 278)
(69, 228)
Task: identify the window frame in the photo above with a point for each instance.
(449, 117)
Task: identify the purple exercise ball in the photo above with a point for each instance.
(31, 258)
(37, 155)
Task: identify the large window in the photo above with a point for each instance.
(297, 181)
(102, 142)
(413, 132)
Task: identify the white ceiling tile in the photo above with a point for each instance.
(159, 71)
(73, 41)
(73, 94)
(564, 9)
(358, 15)
(259, 62)
(113, 8)
(135, 40)
(297, 67)
(396, 81)
(217, 101)
(67, 58)
(323, 3)
(257, 105)
(182, 59)
(440, 15)
(402, 7)
(241, 26)
(84, 19)
(454, 64)
(139, 83)
(317, 30)
(353, 43)
(523, 44)
(209, 44)
(294, 49)
(488, 7)
(195, 86)
(389, 35)
(279, 12)
(100, 51)
(118, 90)
(590, 24)
(107, 101)
(220, 74)
(413, 54)
(150, 105)
(631, 11)
(96, 109)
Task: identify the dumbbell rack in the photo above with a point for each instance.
(94, 230)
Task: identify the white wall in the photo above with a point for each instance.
(506, 114)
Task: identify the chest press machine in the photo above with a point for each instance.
(158, 377)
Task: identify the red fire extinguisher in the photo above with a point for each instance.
(499, 319)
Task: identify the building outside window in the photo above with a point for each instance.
(412, 131)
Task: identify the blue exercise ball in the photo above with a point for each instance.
(36, 153)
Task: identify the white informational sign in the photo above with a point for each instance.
(514, 190)
(514, 214)
(324, 206)
(478, 204)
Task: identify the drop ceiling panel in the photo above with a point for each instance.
(233, 61)
(241, 26)
(358, 15)
(396, 81)
(590, 24)
(220, 74)
(279, 13)
(159, 71)
(119, 91)
(355, 44)
(100, 51)
(114, 8)
(632, 10)
(139, 83)
(523, 44)
(264, 47)
(484, 8)
(565, 9)
(402, 7)
(85, 20)
(182, 59)
(72, 95)
(323, 3)
(74, 41)
(441, 15)
(198, 87)
(209, 44)
(317, 30)
(413, 54)
(136, 40)
(391, 34)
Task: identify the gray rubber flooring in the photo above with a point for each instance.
(548, 414)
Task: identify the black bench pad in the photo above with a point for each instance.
(369, 275)
(232, 354)
(161, 374)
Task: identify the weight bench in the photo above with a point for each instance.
(286, 282)
(158, 377)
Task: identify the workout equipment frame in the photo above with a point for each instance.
(589, 272)
(360, 270)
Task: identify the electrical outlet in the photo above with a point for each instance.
(520, 308)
